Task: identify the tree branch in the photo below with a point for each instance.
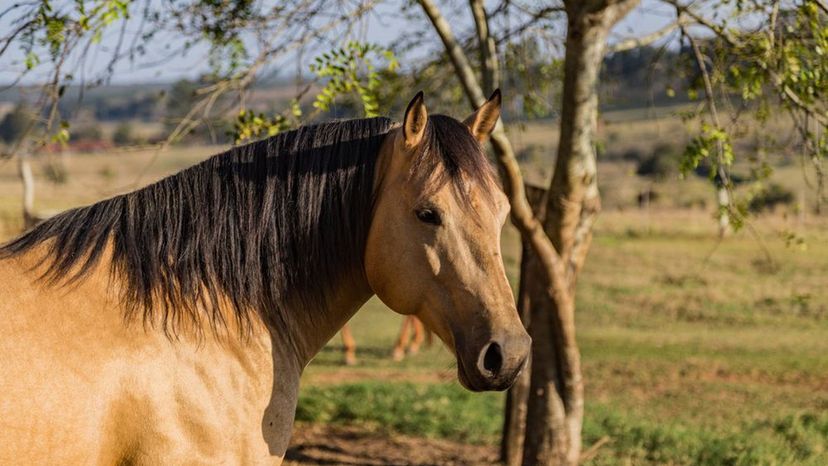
(486, 45)
(785, 92)
(636, 42)
(455, 52)
(822, 6)
(522, 216)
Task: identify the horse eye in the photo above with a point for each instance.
(429, 216)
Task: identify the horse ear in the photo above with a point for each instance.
(483, 120)
(414, 121)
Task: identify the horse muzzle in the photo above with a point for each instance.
(496, 364)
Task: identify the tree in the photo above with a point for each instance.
(778, 63)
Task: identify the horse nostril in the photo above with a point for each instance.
(493, 359)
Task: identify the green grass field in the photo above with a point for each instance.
(695, 351)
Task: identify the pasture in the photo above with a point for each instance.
(695, 351)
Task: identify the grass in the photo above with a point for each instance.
(796, 438)
(694, 351)
(448, 411)
(429, 410)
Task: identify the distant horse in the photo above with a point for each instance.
(406, 342)
(171, 325)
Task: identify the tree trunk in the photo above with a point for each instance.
(529, 294)
(556, 402)
(24, 170)
(723, 201)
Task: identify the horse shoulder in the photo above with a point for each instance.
(80, 385)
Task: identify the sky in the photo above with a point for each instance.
(383, 27)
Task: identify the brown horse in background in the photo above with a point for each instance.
(171, 325)
(406, 342)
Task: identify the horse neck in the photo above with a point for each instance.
(308, 330)
(309, 333)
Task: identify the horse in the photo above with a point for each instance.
(406, 343)
(171, 324)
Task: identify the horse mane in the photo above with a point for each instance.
(262, 227)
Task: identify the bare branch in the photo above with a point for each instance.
(458, 57)
(486, 45)
(636, 42)
(534, 17)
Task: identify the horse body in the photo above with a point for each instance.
(80, 387)
(119, 393)
(171, 325)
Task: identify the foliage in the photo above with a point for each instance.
(356, 68)
(251, 125)
(703, 148)
(57, 28)
(238, 40)
(781, 62)
(352, 69)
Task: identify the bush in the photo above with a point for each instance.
(662, 162)
(88, 132)
(123, 135)
(770, 197)
(55, 172)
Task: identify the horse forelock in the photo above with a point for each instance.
(450, 153)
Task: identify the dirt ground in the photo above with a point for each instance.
(339, 445)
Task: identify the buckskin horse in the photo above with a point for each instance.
(170, 325)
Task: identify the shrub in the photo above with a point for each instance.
(662, 162)
(123, 135)
(87, 132)
(770, 197)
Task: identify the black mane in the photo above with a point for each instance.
(262, 227)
